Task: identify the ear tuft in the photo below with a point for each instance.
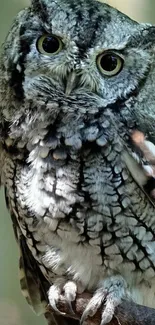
(36, 5)
(40, 8)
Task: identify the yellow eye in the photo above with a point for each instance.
(49, 44)
(109, 63)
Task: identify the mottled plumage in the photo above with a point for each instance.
(76, 80)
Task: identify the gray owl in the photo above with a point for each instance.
(76, 81)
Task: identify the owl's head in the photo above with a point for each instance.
(84, 51)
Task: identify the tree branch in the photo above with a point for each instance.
(128, 313)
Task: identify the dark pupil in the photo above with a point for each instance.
(108, 62)
(50, 44)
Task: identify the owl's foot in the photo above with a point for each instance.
(110, 295)
(68, 289)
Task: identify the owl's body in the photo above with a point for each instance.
(74, 183)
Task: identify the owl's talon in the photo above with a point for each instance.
(71, 311)
(53, 295)
(109, 310)
(68, 291)
(56, 309)
(93, 305)
(110, 294)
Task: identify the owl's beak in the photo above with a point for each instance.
(71, 82)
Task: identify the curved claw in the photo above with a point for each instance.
(108, 312)
(53, 305)
(53, 295)
(69, 290)
(93, 305)
(70, 307)
(110, 294)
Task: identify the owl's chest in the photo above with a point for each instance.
(85, 218)
(89, 189)
(86, 187)
(73, 170)
(68, 255)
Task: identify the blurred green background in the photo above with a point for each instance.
(13, 308)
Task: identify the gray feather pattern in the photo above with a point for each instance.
(67, 160)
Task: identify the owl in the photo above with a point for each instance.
(76, 83)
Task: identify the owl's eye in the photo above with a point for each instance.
(109, 63)
(49, 45)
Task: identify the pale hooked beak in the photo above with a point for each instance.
(71, 82)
